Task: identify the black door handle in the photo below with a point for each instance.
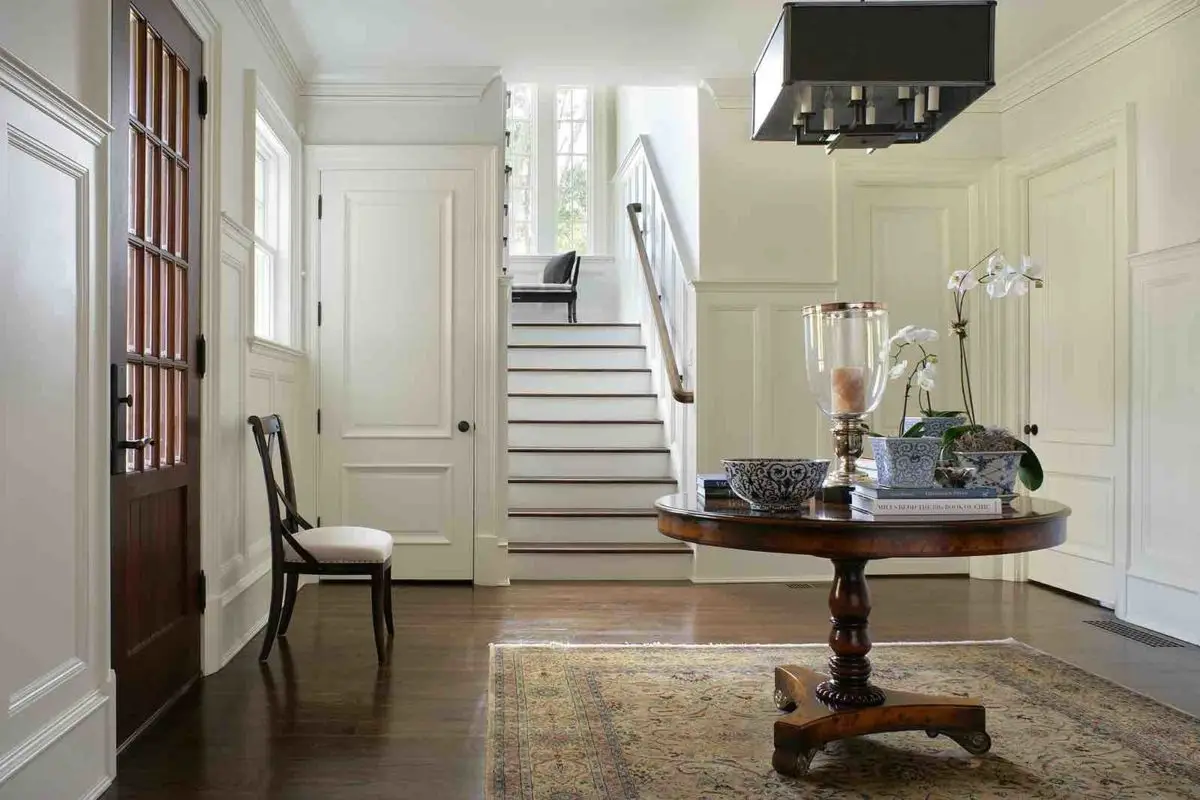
(1031, 430)
(136, 444)
(464, 426)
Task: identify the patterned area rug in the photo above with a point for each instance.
(667, 722)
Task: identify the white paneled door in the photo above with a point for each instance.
(397, 293)
(1077, 384)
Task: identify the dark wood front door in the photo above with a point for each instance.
(155, 305)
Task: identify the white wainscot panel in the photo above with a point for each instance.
(44, 501)
(396, 498)
(1090, 529)
(1163, 591)
(260, 393)
(398, 311)
(231, 422)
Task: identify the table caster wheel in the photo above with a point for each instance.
(783, 702)
(794, 764)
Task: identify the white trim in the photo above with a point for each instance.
(25, 752)
(245, 582)
(245, 638)
(467, 86)
(272, 349)
(273, 42)
(494, 646)
(729, 94)
(1111, 33)
(35, 89)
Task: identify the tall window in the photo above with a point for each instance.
(572, 124)
(273, 256)
(556, 138)
(522, 157)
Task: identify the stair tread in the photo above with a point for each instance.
(584, 394)
(585, 422)
(598, 548)
(585, 513)
(664, 480)
(570, 325)
(602, 450)
(578, 369)
(568, 346)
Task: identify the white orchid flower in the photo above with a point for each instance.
(1001, 283)
(923, 336)
(1019, 287)
(998, 264)
(1031, 269)
(898, 370)
(962, 281)
(902, 335)
(927, 377)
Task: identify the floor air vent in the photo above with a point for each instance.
(802, 586)
(1140, 635)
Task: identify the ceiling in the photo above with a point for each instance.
(602, 41)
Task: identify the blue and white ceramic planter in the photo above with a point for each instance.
(935, 426)
(906, 463)
(997, 470)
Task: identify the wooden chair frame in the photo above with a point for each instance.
(285, 575)
(568, 296)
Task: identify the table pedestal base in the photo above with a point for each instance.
(812, 724)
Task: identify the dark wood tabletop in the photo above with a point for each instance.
(839, 532)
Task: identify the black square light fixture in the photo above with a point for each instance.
(867, 74)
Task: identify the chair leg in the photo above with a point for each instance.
(387, 601)
(377, 611)
(273, 616)
(289, 602)
(572, 317)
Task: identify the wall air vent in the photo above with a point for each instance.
(869, 74)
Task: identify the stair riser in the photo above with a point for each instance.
(600, 495)
(584, 435)
(589, 465)
(568, 358)
(574, 334)
(584, 530)
(580, 382)
(576, 408)
(600, 566)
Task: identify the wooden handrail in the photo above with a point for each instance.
(680, 394)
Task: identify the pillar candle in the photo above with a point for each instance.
(849, 390)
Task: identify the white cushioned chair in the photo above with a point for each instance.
(297, 548)
(560, 282)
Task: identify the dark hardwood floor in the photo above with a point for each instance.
(323, 720)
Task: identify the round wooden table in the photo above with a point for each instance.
(845, 703)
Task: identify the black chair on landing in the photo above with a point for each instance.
(297, 548)
(560, 282)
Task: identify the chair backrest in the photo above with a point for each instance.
(559, 269)
(267, 431)
(575, 271)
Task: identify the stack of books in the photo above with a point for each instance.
(882, 501)
(713, 487)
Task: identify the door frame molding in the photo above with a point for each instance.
(491, 425)
(197, 14)
(1117, 131)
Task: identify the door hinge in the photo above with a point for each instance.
(318, 313)
(318, 422)
(318, 521)
(201, 355)
(320, 206)
(202, 101)
(202, 592)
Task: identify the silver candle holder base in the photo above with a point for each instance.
(848, 435)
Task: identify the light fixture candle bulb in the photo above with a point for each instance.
(935, 98)
(806, 100)
(919, 108)
(829, 110)
(856, 93)
(904, 93)
(870, 115)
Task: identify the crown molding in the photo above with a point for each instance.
(1114, 31)
(458, 86)
(276, 45)
(730, 94)
(40, 92)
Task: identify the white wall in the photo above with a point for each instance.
(667, 116)
(55, 673)
(65, 40)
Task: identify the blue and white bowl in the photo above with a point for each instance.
(776, 484)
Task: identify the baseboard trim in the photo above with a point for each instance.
(100, 788)
(24, 753)
(244, 639)
(245, 582)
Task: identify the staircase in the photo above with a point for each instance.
(587, 457)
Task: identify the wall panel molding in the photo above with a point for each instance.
(447, 86)
(273, 41)
(35, 89)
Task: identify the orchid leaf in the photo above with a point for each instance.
(1031, 473)
(915, 432)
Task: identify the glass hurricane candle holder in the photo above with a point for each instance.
(846, 347)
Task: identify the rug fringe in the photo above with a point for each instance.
(718, 645)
